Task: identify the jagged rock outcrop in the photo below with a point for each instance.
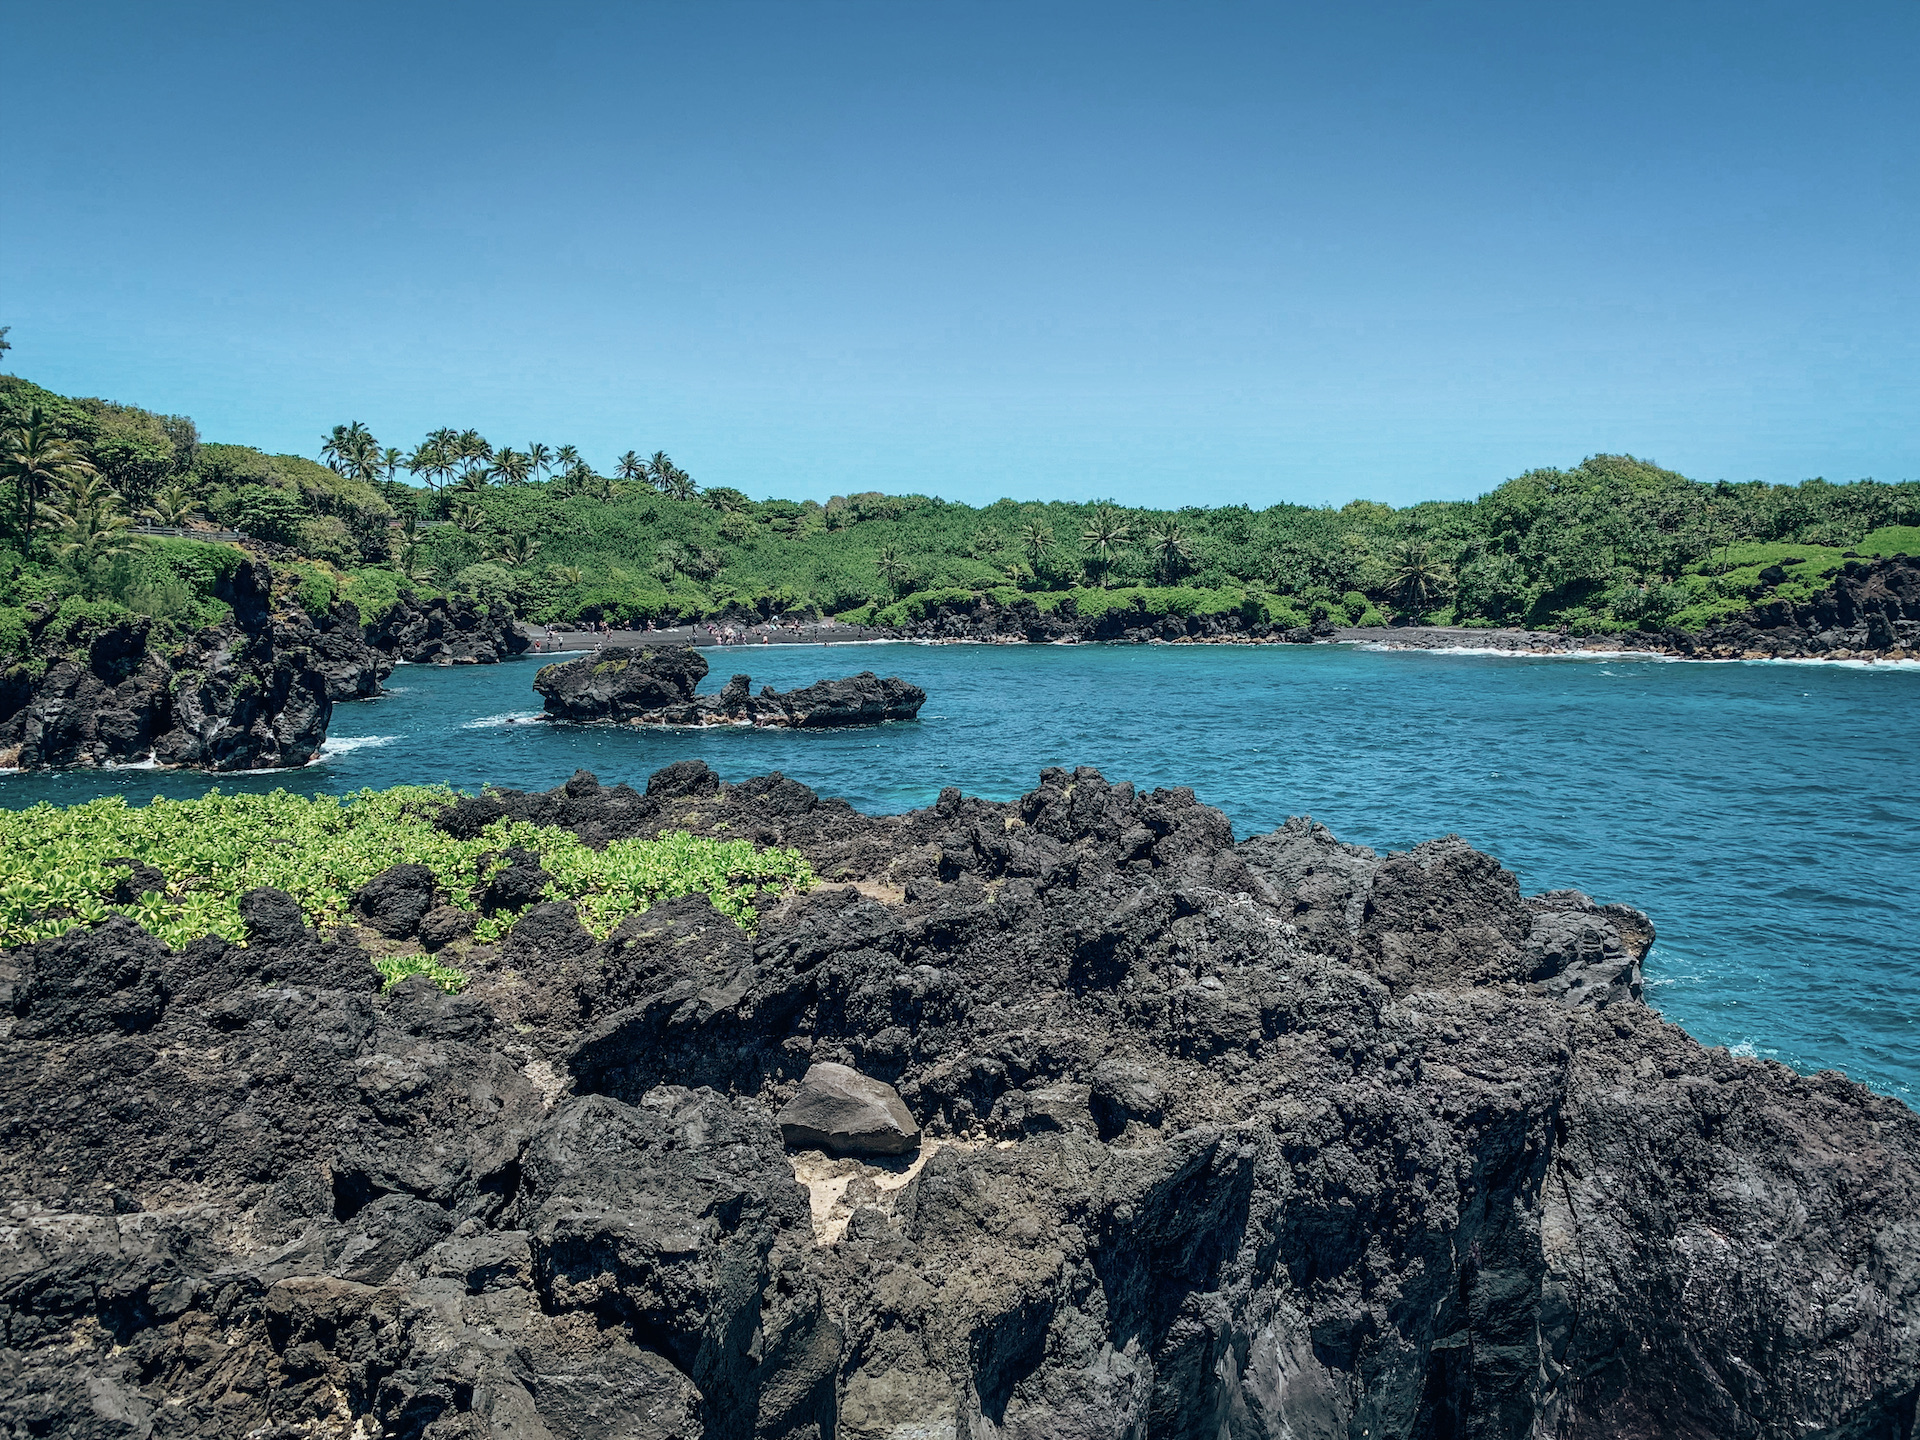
(253, 692)
(1272, 1138)
(657, 687)
(447, 630)
(1872, 607)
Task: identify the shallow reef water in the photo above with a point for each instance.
(1767, 815)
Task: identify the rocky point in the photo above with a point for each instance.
(1071, 1116)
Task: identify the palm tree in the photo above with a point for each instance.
(1018, 572)
(510, 467)
(671, 559)
(1167, 542)
(892, 568)
(1105, 536)
(471, 483)
(468, 516)
(669, 479)
(38, 462)
(408, 562)
(564, 574)
(727, 500)
(93, 527)
(352, 451)
(516, 550)
(538, 459)
(1036, 543)
(472, 452)
(630, 466)
(579, 479)
(391, 459)
(173, 504)
(1419, 577)
(565, 458)
(433, 459)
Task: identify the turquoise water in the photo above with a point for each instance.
(1766, 815)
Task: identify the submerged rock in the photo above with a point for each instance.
(1230, 1138)
(657, 687)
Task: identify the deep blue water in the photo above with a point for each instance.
(1766, 815)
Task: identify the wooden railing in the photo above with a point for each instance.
(183, 532)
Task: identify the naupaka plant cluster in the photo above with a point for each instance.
(54, 870)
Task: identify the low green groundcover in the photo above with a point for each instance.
(320, 849)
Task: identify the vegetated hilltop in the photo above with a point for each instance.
(1613, 544)
(1201, 1138)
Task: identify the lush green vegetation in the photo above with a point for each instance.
(54, 870)
(1613, 543)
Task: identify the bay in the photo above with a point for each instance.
(1767, 815)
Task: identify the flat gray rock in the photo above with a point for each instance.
(846, 1113)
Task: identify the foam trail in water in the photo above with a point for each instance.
(510, 717)
(346, 744)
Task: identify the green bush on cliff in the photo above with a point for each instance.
(321, 849)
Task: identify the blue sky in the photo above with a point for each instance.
(1167, 254)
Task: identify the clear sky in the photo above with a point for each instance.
(1172, 254)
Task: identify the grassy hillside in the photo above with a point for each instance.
(1612, 543)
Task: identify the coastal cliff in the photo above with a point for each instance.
(254, 692)
(1272, 1138)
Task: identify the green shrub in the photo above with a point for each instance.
(487, 583)
(321, 849)
(1891, 540)
(395, 968)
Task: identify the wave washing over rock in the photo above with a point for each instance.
(1196, 1138)
(638, 686)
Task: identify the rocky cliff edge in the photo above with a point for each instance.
(1260, 1139)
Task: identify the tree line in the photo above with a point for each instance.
(1613, 542)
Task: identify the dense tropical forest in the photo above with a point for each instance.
(1612, 543)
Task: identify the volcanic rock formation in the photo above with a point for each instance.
(447, 630)
(1259, 1139)
(253, 692)
(656, 687)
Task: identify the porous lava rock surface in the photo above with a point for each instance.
(638, 686)
(253, 692)
(1276, 1137)
(447, 630)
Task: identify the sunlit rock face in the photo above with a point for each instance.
(1268, 1138)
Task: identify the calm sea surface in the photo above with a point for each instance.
(1767, 815)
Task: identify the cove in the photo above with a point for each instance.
(1767, 815)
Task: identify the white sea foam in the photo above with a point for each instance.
(346, 744)
(1652, 657)
(509, 717)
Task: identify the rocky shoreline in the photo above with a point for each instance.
(1164, 1134)
(1871, 611)
(252, 693)
(618, 685)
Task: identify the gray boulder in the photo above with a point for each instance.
(842, 1111)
